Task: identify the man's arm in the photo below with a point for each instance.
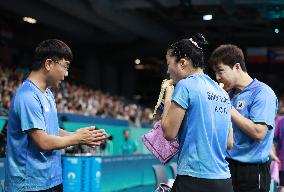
(89, 136)
(256, 131)
(172, 116)
(63, 133)
(273, 154)
(230, 142)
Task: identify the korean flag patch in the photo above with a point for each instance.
(240, 105)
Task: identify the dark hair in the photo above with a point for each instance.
(51, 49)
(189, 49)
(228, 54)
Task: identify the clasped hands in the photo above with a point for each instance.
(91, 136)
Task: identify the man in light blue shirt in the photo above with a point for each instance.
(198, 112)
(33, 161)
(253, 112)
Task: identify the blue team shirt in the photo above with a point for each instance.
(258, 103)
(204, 132)
(26, 167)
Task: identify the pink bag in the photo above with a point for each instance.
(161, 148)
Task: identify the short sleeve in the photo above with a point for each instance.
(30, 112)
(181, 94)
(264, 107)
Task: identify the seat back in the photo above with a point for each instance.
(2, 184)
(173, 167)
(160, 174)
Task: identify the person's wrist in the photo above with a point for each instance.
(75, 139)
(168, 100)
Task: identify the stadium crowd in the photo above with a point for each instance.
(78, 99)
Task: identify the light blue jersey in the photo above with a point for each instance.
(26, 167)
(258, 103)
(204, 132)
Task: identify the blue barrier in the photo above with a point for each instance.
(81, 174)
(91, 119)
(107, 174)
(2, 160)
(2, 122)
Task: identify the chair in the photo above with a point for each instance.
(160, 174)
(2, 184)
(173, 167)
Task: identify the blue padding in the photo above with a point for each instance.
(91, 119)
(105, 174)
(82, 173)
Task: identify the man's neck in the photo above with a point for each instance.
(243, 81)
(39, 80)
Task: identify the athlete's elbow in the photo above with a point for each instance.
(44, 146)
(167, 133)
(259, 136)
(169, 136)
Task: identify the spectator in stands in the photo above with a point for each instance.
(33, 161)
(128, 146)
(197, 111)
(146, 119)
(79, 99)
(254, 106)
(277, 152)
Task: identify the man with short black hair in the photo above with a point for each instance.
(254, 106)
(33, 161)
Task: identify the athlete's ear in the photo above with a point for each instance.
(237, 66)
(47, 64)
(183, 63)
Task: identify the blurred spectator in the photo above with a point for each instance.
(146, 119)
(128, 146)
(277, 152)
(10, 79)
(3, 139)
(106, 148)
(281, 105)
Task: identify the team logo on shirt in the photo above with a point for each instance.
(46, 108)
(240, 105)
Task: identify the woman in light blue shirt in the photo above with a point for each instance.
(197, 111)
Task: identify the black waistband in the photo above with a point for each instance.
(232, 161)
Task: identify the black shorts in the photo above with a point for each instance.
(184, 183)
(58, 188)
(281, 178)
(250, 177)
